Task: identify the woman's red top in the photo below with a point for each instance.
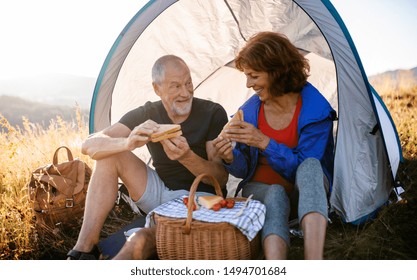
(288, 136)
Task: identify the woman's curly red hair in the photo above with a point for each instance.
(273, 53)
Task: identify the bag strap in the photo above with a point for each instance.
(187, 226)
(69, 155)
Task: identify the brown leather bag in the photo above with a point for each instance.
(58, 190)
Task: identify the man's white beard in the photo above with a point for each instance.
(185, 110)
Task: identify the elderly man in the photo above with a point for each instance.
(177, 161)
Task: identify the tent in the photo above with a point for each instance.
(208, 34)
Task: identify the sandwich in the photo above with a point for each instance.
(208, 201)
(236, 117)
(166, 131)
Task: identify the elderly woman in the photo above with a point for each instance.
(284, 145)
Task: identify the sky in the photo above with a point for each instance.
(74, 36)
(383, 31)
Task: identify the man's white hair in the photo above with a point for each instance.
(158, 69)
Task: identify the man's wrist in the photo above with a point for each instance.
(186, 158)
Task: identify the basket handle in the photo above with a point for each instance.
(187, 226)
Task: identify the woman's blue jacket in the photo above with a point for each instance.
(315, 132)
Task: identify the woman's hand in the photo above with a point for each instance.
(224, 149)
(246, 133)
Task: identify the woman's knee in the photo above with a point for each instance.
(277, 206)
(277, 213)
(310, 165)
(309, 173)
(310, 185)
(276, 195)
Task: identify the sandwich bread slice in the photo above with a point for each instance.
(166, 131)
(236, 117)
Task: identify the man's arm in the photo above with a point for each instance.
(117, 138)
(178, 149)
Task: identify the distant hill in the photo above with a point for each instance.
(56, 89)
(14, 108)
(42, 98)
(397, 80)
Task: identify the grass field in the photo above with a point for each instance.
(392, 235)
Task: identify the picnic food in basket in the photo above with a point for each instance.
(166, 131)
(208, 201)
(185, 200)
(188, 239)
(214, 202)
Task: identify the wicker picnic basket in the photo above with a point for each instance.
(188, 239)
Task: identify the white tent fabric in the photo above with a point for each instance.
(208, 35)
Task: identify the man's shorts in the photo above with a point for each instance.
(156, 193)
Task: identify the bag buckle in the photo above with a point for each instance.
(118, 197)
(69, 202)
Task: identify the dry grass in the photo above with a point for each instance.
(24, 149)
(392, 235)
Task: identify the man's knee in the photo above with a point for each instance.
(116, 161)
(143, 243)
(139, 237)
